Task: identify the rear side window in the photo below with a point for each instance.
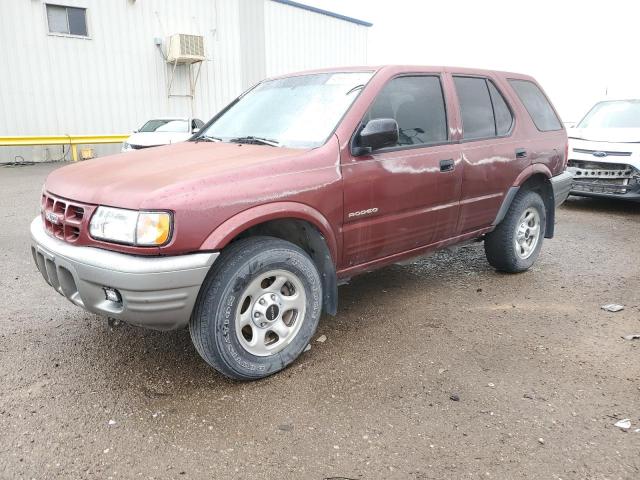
(484, 111)
(417, 104)
(501, 111)
(537, 105)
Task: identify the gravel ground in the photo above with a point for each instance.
(540, 372)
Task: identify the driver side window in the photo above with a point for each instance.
(416, 103)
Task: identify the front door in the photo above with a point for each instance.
(405, 196)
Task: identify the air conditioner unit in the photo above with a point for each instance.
(185, 48)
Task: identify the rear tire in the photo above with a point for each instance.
(257, 309)
(515, 244)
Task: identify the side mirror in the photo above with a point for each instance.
(377, 133)
(135, 131)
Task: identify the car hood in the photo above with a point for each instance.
(614, 135)
(149, 139)
(151, 178)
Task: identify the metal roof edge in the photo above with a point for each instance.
(324, 12)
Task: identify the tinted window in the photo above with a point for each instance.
(501, 111)
(537, 105)
(417, 104)
(475, 107)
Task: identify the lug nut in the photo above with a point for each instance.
(257, 314)
(262, 302)
(273, 297)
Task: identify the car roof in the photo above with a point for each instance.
(398, 69)
(168, 118)
(615, 99)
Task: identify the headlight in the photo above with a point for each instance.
(131, 226)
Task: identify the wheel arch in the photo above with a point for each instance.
(536, 178)
(296, 223)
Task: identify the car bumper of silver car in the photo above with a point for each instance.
(561, 185)
(154, 292)
(605, 179)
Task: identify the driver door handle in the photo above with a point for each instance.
(447, 165)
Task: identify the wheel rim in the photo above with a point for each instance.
(270, 312)
(527, 233)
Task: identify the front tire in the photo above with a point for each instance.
(257, 309)
(515, 244)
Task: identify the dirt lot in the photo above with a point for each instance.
(541, 372)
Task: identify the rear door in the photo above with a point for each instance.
(405, 196)
(492, 153)
(550, 137)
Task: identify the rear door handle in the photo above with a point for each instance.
(521, 153)
(447, 165)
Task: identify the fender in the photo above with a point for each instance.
(513, 190)
(235, 225)
(530, 171)
(527, 173)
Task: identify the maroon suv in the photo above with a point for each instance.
(244, 232)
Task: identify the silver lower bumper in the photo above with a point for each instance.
(156, 292)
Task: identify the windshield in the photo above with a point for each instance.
(181, 126)
(613, 114)
(298, 112)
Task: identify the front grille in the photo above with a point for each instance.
(57, 276)
(62, 218)
(606, 152)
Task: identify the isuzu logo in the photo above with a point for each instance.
(599, 154)
(52, 217)
(272, 312)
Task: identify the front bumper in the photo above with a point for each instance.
(155, 292)
(561, 185)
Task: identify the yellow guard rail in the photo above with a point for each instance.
(71, 140)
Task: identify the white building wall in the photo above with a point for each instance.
(113, 81)
(298, 39)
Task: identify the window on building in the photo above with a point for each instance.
(417, 104)
(484, 111)
(537, 105)
(67, 20)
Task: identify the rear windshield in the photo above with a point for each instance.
(613, 114)
(161, 125)
(537, 105)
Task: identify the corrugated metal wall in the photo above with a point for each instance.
(298, 39)
(113, 81)
(116, 79)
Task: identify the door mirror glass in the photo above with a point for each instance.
(377, 133)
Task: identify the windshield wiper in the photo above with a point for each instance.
(256, 141)
(207, 138)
